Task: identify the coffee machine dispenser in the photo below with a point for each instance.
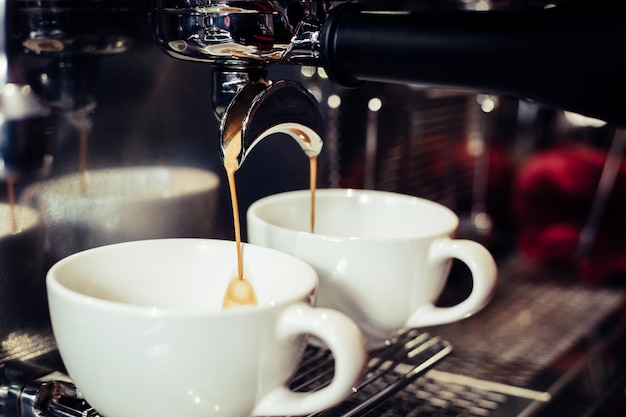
(561, 55)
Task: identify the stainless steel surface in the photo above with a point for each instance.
(27, 343)
(238, 38)
(390, 369)
(28, 390)
(240, 34)
(531, 321)
(65, 42)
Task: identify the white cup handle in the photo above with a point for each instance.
(484, 276)
(347, 345)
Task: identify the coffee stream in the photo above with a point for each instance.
(313, 186)
(11, 196)
(82, 163)
(239, 291)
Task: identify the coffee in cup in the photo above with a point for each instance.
(142, 332)
(383, 258)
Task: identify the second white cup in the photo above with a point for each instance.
(101, 207)
(383, 258)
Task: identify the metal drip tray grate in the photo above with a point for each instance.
(27, 389)
(389, 370)
(428, 397)
(533, 319)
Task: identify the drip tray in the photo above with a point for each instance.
(29, 389)
(389, 370)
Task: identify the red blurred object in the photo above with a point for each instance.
(552, 198)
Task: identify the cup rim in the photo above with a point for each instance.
(50, 186)
(61, 291)
(27, 217)
(284, 197)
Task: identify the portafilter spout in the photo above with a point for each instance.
(261, 109)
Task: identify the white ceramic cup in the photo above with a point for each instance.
(141, 330)
(383, 258)
(120, 204)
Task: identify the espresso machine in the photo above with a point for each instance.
(387, 93)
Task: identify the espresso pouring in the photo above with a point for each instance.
(239, 290)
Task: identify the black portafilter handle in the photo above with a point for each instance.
(569, 56)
